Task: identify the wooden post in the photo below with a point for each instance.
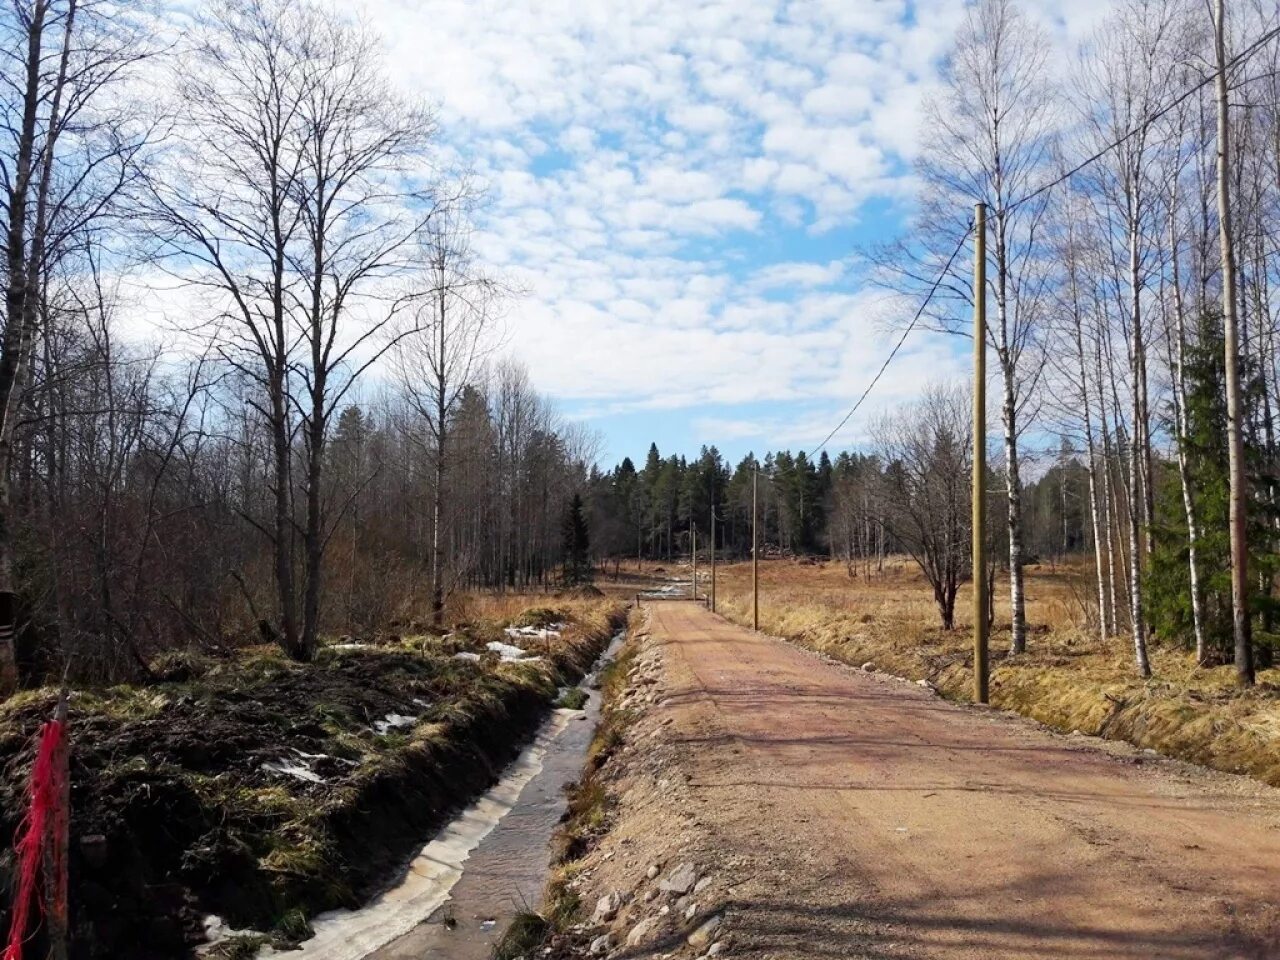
(1239, 512)
(755, 549)
(713, 556)
(55, 854)
(693, 548)
(980, 664)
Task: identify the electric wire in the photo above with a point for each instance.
(901, 340)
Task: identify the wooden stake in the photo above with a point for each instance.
(55, 854)
(980, 664)
(693, 548)
(713, 556)
(755, 549)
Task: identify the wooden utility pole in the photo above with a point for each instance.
(713, 556)
(755, 549)
(980, 666)
(1231, 346)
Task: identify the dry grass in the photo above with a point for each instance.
(1068, 680)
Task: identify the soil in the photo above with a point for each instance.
(832, 812)
(175, 817)
(1069, 678)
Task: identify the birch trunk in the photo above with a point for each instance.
(1231, 348)
(1008, 418)
(1092, 460)
(1178, 366)
(438, 494)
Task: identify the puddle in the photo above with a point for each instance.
(492, 862)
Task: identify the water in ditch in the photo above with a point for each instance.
(489, 864)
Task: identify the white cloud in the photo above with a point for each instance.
(643, 161)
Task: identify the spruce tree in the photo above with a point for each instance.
(576, 544)
(1168, 577)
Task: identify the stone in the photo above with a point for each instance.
(94, 848)
(652, 872)
(606, 908)
(718, 949)
(643, 930)
(702, 885)
(869, 667)
(924, 683)
(680, 880)
(601, 945)
(705, 933)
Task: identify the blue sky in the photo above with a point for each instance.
(681, 189)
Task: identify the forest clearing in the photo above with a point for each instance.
(541, 481)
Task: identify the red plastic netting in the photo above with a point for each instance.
(39, 843)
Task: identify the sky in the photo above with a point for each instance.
(681, 190)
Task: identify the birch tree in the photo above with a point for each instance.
(990, 134)
(435, 365)
(1241, 632)
(1128, 78)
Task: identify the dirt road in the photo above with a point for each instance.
(866, 817)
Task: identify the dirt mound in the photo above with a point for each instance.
(584, 591)
(264, 790)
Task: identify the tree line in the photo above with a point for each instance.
(326, 436)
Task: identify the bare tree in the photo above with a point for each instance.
(296, 225)
(1231, 345)
(990, 133)
(1128, 78)
(927, 451)
(454, 321)
(68, 151)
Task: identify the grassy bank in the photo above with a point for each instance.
(264, 791)
(1068, 680)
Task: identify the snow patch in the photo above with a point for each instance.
(552, 630)
(393, 721)
(510, 654)
(299, 771)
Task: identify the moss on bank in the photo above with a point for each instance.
(264, 791)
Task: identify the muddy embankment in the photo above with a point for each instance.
(262, 791)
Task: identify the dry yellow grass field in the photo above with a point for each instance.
(1068, 680)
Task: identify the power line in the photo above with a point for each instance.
(901, 340)
(1173, 104)
(1038, 191)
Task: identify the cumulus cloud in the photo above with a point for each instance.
(661, 177)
